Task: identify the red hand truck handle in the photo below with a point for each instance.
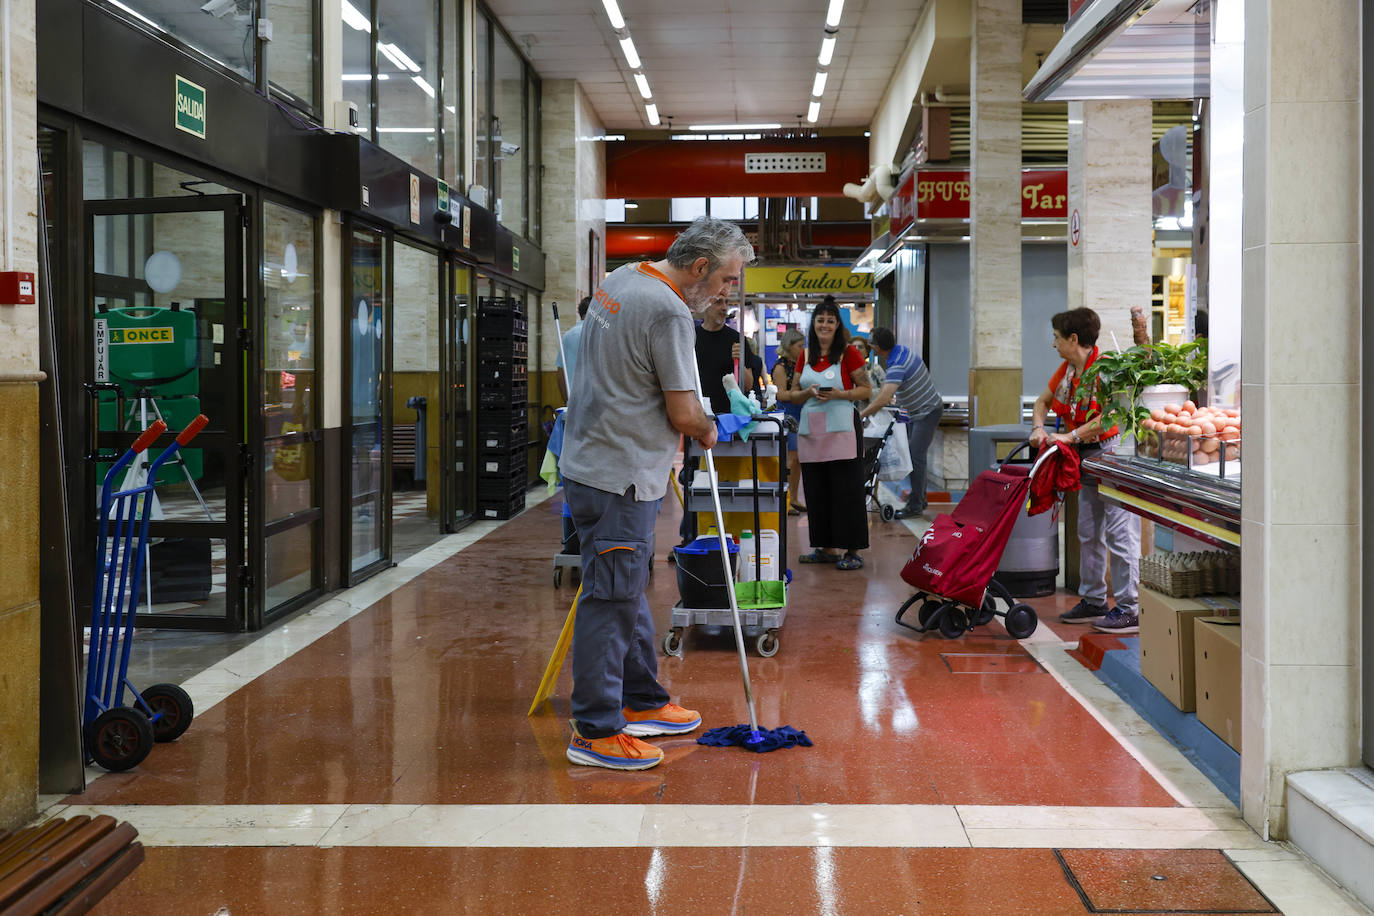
(191, 429)
(149, 436)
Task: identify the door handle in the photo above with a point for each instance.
(93, 390)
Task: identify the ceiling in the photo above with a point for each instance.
(717, 61)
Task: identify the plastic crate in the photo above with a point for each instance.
(503, 436)
(508, 507)
(499, 488)
(500, 305)
(501, 462)
(507, 325)
(496, 396)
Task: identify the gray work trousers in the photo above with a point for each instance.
(1108, 533)
(615, 663)
(920, 432)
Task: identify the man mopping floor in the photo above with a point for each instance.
(633, 395)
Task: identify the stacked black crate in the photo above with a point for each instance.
(502, 391)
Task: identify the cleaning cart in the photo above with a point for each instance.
(763, 596)
(119, 737)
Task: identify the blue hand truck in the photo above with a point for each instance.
(119, 737)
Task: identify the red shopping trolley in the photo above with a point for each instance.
(953, 565)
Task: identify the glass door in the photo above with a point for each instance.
(368, 418)
(456, 428)
(169, 342)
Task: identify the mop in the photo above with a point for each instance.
(748, 736)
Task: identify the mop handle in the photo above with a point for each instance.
(562, 355)
(725, 562)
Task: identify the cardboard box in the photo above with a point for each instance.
(1216, 648)
(1166, 640)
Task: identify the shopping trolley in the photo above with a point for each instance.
(119, 737)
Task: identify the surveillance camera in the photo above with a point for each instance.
(509, 149)
(219, 8)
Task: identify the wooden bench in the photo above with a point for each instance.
(403, 448)
(65, 865)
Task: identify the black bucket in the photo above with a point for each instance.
(700, 578)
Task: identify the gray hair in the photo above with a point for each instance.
(713, 239)
(789, 337)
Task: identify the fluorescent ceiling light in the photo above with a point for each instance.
(813, 111)
(362, 77)
(133, 12)
(398, 57)
(818, 87)
(354, 19)
(405, 130)
(613, 12)
(642, 82)
(827, 50)
(627, 44)
(832, 15)
(652, 111)
(733, 126)
(424, 86)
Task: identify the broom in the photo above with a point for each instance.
(748, 736)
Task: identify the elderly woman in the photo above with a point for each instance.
(789, 353)
(830, 381)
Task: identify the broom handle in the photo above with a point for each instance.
(725, 562)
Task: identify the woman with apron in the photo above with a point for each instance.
(831, 380)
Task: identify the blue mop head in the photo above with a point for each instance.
(759, 741)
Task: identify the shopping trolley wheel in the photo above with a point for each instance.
(767, 644)
(672, 643)
(1021, 621)
(952, 622)
(887, 513)
(558, 577)
(987, 611)
(119, 739)
(927, 611)
(173, 708)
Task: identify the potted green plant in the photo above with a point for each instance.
(1124, 381)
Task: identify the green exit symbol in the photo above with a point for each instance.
(190, 107)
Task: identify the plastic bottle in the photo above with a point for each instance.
(770, 396)
(767, 544)
(746, 556)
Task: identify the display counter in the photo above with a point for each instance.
(1201, 505)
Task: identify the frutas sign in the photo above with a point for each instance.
(806, 280)
(946, 194)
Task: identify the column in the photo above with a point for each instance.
(1109, 190)
(19, 473)
(995, 208)
(574, 197)
(1300, 397)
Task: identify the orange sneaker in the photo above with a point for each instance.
(666, 720)
(618, 752)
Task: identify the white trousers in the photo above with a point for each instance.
(1107, 533)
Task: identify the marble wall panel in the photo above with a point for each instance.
(18, 239)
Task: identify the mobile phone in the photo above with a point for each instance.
(826, 388)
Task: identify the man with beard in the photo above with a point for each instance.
(633, 394)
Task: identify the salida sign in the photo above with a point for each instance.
(190, 107)
(945, 194)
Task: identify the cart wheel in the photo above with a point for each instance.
(987, 611)
(175, 707)
(952, 622)
(119, 739)
(672, 643)
(1021, 621)
(767, 644)
(558, 577)
(926, 612)
(887, 513)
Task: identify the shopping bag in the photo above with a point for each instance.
(894, 461)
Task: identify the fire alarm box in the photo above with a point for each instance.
(16, 288)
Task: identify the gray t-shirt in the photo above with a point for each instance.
(638, 341)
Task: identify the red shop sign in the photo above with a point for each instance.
(902, 207)
(945, 195)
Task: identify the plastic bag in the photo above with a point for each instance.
(894, 461)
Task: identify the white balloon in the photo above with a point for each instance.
(162, 271)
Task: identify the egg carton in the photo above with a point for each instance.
(1186, 575)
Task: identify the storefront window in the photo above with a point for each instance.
(508, 142)
(407, 81)
(223, 30)
(292, 55)
(452, 93)
(479, 189)
(357, 60)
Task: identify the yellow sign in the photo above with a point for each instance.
(141, 335)
(837, 280)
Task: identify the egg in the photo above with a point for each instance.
(1189, 406)
(1195, 430)
(1210, 446)
(1229, 434)
(1156, 414)
(1232, 413)
(1232, 452)
(1208, 428)
(1177, 428)
(1172, 408)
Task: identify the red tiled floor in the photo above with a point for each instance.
(422, 699)
(1162, 881)
(1003, 663)
(773, 880)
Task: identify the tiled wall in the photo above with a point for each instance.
(19, 474)
(1300, 506)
